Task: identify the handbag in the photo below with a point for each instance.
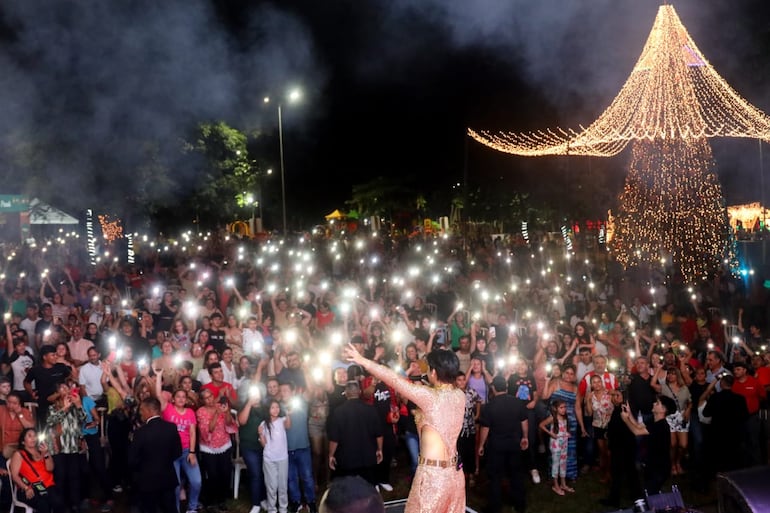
(38, 485)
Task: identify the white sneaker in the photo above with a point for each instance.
(535, 476)
(255, 509)
(386, 486)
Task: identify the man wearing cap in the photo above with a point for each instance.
(504, 430)
(355, 437)
(754, 393)
(47, 377)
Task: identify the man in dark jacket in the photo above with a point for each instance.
(151, 459)
(728, 412)
(355, 437)
(504, 430)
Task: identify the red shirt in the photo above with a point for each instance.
(752, 390)
(225, 389)
(763, 375)
(610, 383)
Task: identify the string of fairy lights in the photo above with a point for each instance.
(673, 92)
(673, 101)
(671, 207)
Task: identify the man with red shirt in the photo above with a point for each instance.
(751, 389)
(600, 369)
(218, 386)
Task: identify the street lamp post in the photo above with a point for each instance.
(293, 96)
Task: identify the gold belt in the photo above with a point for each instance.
(437, 463)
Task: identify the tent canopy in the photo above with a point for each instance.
(41, 213)
(335, 215)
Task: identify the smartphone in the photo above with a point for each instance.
(223, 400)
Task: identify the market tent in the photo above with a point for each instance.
(335, 215)
(41, 213)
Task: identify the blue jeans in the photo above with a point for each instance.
(193, 473)
(301, 469)
(413, 446)
(253, 460)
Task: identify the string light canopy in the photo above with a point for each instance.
(673, 93)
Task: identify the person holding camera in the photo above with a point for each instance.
(32, 472)
(65, 419)
(657, 464)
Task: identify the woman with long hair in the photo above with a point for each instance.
(583, 338)
(234, 336)
(32, 471)
(64, 424)
(180, 336)
(438, 485)
(674, 388)
(599, 406)
(178, 413)
(275, 460)
(567, 391)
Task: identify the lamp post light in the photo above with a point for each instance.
(251, 201)
(292, 97)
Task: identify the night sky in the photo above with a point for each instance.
(390, 86)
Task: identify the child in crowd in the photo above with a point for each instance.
(275, 462)
(557, 427)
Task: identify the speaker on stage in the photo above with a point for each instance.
(744, 491)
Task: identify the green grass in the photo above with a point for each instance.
(540, 498)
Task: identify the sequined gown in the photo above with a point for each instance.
(434, 489)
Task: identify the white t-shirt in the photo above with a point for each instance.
(229, 375)
(276, 448)
(28, 325)
(19, 367)
(90, 376)
(253, 342)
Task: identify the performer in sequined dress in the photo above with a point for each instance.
(439, 484)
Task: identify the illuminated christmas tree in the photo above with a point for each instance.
(671, 208)
(671, 103)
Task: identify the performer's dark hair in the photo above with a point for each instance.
(351, 494)
(446, 365)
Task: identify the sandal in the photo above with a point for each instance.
(567, 488)
(558, 490)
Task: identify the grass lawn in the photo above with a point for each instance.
(540, 498)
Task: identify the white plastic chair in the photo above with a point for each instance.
(15, 502)
(238, 465)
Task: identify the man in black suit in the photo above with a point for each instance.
(151, 459)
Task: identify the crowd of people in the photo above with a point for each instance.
(266, 355)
